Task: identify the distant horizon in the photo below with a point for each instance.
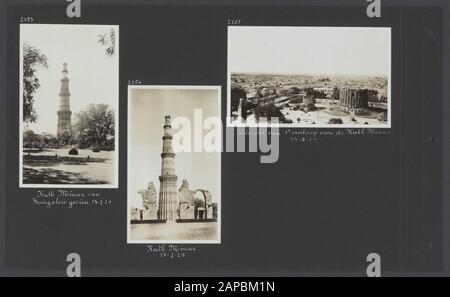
(308, 74)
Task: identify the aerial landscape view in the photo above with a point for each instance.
(309, 76)
(309, 99)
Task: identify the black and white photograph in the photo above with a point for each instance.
(317, 77)
(69, 105)
(174, 177)
(224, 147)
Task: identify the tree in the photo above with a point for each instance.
(94, 127)
(28, 138)
(336, 93)
(32, 140)
(372, 95)
(66, 138)
(53, 141)
(269, 111)
(32, 58)
(293, 91)
(108, 40)
(237, 93)
(315, 93)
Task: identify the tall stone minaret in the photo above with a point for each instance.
(168, 192)
(239, 112)
(64, 113)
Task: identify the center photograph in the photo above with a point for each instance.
(174, 168)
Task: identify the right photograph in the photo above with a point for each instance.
(316, 77)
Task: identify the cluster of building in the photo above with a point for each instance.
(326, 90)
(173, 205)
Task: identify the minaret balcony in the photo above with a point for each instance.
(168, 177)
(167, 155)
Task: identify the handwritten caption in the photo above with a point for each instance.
(313, 135)
(68, 199)
(170, 251)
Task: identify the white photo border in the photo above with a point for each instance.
(231, 124)
(114, 185)
(218, 240)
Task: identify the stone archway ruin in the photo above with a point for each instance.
(204, 197)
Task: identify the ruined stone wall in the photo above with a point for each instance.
(209, 205)
(149, 202)
(186, 203)
(150, 213)
(135, 214)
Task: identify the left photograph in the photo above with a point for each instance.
(69, 95)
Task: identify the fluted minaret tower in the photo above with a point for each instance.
(64, 113)
(168, 192)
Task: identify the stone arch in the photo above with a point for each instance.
(204, 197)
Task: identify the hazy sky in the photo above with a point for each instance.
(93, 78)
(147, 109)
(309, 50)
